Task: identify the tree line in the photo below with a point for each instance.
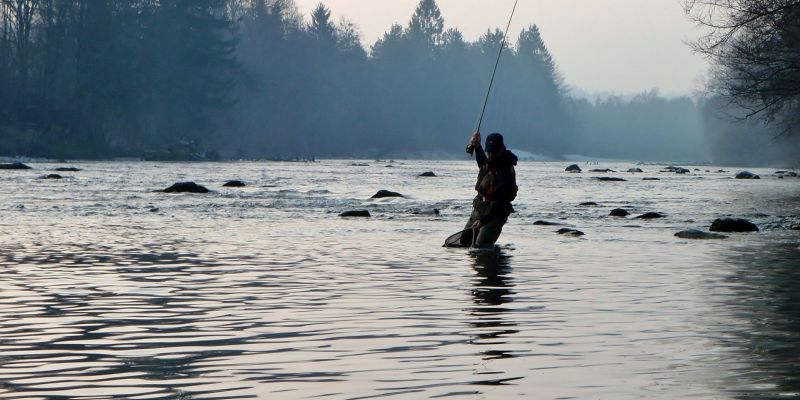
(202, 79)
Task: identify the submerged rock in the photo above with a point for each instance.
(782, 174)
(733, 225)
(432, 211)
(15, 165)
(355, 213)
(609, 179)
(632, 170)
(569, 232)
(546, 223)
(51, 176)
(747, 175)
(619, 212)
(68, 169)
(573, 168)
(588, 203)
(186, 187)
(698, 234)
(677, 170)
(429, 173)
(234, 184)
(651, 179)
(385, 193)
(602, 170)
(651, 215)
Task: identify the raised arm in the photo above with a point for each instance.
(480, 155)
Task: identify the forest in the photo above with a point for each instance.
(255, 79)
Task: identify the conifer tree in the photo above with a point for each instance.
(426, 25)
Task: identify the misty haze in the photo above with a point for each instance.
(225, 199)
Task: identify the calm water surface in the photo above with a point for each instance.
(112, 290)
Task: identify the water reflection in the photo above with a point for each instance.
(136, 328)
(490, 318)
(764, 330)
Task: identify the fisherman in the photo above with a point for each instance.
(496, 187)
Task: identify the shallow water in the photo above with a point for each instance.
(112, 290)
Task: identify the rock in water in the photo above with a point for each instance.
(651, 179)
(186, 187)
(385, 193)
(355, 213)
(733, 225)
(570, 232)
(609, 179)
(619, 212)
(747, 175)
(588, 203)
(546, 223)
(651, 215)
(51, 176)
(16, 165)
(602, 170)
(698, 234)
(432, 211)
(632, 170)
(573, 168)
(234, 184)
(67, 169)
(429, 173)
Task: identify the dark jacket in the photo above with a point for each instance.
(497, 183)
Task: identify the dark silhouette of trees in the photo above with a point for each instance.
(183, 79)
(755, 48)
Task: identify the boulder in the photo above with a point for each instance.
(385, 193)
(186, 187)
(570, 232)
(619, 212)
(67, 169)
(588, 203)
(429, 173)
(609, 179)
(698, 234)
(732, 225)
(573, 168)
(51, 176)
(651, 215)
(795, 227)
(16, 165)
(546, 223)
(355, 213)
(682, 171)
(747, 175)
(234, 184)
(632, 170)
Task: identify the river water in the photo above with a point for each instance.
(110, 289)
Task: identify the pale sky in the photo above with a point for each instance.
(617, 46)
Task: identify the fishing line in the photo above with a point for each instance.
(497, 62)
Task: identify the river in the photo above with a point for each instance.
(112, 290)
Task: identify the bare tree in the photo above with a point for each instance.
(754, 47)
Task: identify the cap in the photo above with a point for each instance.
(494, 143)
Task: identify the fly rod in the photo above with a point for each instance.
(470, 147)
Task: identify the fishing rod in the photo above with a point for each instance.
(470, 147)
